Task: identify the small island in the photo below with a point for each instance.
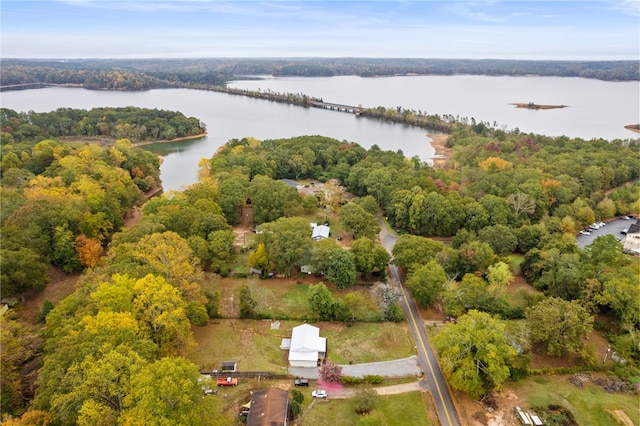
(532, 105)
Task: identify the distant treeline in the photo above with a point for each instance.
(135, 124)
(144, 74)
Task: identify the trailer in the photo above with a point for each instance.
(229, 381)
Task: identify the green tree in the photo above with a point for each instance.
(358, 221)
(342, 269)
(426, 283)
(365, 399)
(322, 252)
(269, 198)
(22, 269)
(410, 251)
(474, 353)
(248, 305)
(501, 239)
(287, 241)
(369, 256)
(560, 325)
(322, 303)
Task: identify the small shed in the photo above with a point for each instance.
(229, 366)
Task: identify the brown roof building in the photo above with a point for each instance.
(269, 407)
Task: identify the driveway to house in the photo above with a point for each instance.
(389, 369)
(435, 382)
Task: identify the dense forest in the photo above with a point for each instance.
(135, 124)
(113, 352)
(147, 74)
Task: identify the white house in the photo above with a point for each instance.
(320, 232)
(631, 243)
(306, 346)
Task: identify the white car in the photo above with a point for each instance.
(600, 224)
(594, 226)
(319, 393)
(585, 232)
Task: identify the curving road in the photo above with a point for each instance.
(435, 382)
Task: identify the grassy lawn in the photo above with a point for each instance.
(401, 410)
(367, 342)
(256, 347)
(589, 405)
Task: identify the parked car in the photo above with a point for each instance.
(585, 232)
(600, 224)
(453, 320)
(319, 393)
(625, 218)
(301, 382)
(624, 231)
(594, 226)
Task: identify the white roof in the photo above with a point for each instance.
(320, 231)
(306, 343)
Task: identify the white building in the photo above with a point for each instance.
(320, 232)
(306, 346)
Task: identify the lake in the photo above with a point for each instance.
(596, 109)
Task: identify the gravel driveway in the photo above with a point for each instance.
(397, 368)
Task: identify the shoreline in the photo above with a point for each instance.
(633, 127)
(531, 105)
(110, 142)
(442, 151)
(184, 138)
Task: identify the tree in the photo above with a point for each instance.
(22, 269)
(500, 237)
(167, 392)
(322, 302)
(358, 221)
(248, 305)
(474, 353)
(287, 241)
(499, 275)
(269, 198)
(322, 252)
(369, 256)
(258, 259)
(410, 251)
(161, 309)
(365, 399)
(560, 325)
(426, 283)
(342, 269)
(330, 372)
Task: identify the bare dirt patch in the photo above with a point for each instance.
(61, 285)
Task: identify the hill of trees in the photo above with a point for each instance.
(135, 124)
(144, 74)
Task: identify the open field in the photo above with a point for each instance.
(402, 410)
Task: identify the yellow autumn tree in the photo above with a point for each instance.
(494, 164)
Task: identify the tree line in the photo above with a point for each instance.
(132, 123)
(144, 74)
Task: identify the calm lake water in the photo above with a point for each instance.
(596, 109)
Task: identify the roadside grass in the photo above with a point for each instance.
(256, 347)
(589, 405)
(367, 342)
(402, 410)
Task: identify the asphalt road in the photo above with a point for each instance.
(435, 382)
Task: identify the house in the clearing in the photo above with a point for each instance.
(631, 243)
(320, 232)
(269, 407)
(306, 347)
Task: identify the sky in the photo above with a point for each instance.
(483, 29)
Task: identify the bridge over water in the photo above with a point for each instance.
(336, 107)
